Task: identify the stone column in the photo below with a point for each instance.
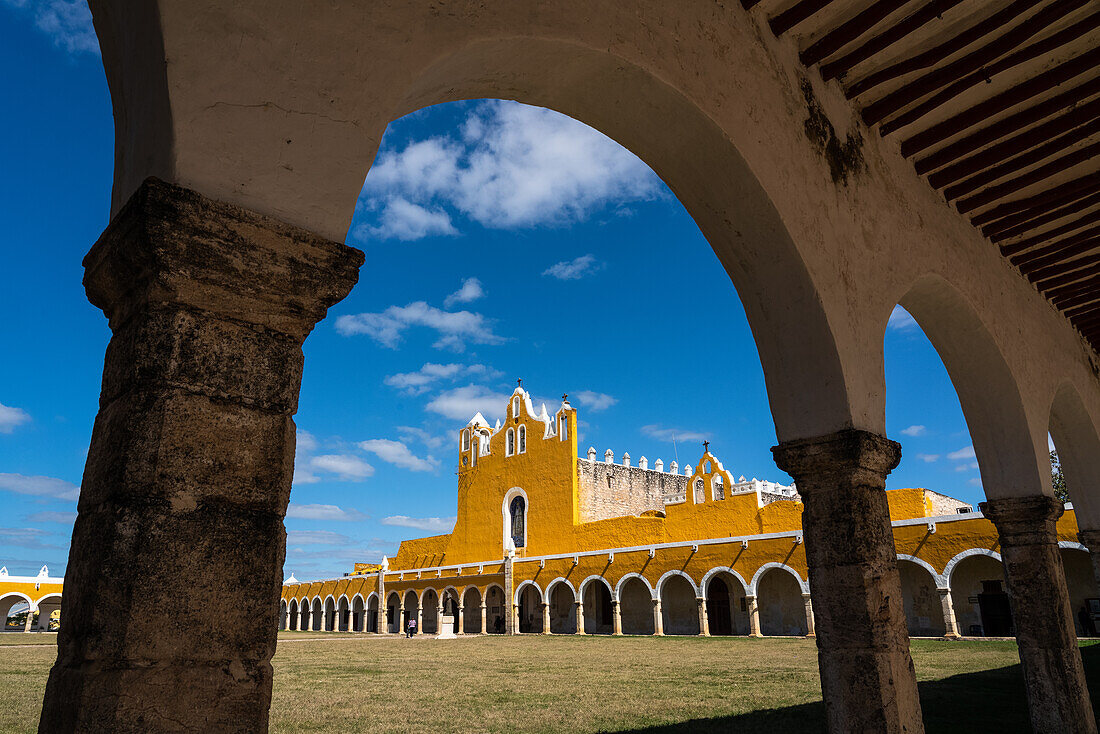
(580, 618)
(867, 678)
(419, 619)
(510, 626)
(754, 616)
(704, 623)
(545, 618)
(439, 619)
(616, 619)
(658, 619)
(1058, 699)
(381, 627)
(950, 624)
(174, 572)
(1091, 540)
(515, 618)
(461, 621)
(809, 615)
(400, 621)
(484, 620)
(28, 625)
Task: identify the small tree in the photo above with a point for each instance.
(1057, 479)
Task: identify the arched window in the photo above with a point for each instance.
(518, 514)
(563, 429)
(522, 439)
(510, 443)
(515, 407)
(699, 497)
(719, 488)
(475, 452)
(466, 439)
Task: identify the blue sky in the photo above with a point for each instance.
(556, 257)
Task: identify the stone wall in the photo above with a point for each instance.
(612, 490)
(943, 505)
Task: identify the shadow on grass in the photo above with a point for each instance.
(989, 701)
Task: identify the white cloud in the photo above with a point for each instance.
(470, 291)
(398, 454)
(975, 482)
(316, 537)
(462, 403)
(671, 434)
(928, 458)
(65, 518)
(434, 524)
(455, 328)
(966, 452)
(403, 220)
(900, 320)
(323, 512)
(305, 442)
(411, 433)
(26, 538)
(68, 22)
(513, 166)
(968, 466)
(39, 486)
(574, 269)
(346, 467)
(913, 431)
(11, 417)
(415, 383)
(595, 401)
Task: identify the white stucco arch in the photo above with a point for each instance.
(495, 585)
(1077, 440)
(506, 517)
(752, 588)
(669, 574)
(722, 569)
(589, 579)
(524, 585)
(424, 592)
(967, 554)
(561, 580)
(939, 579)
(617, 594)
(1072, 545)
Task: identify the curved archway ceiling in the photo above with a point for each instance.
(997, 105)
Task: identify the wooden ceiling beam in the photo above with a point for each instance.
(1092, 296)
(959, 75)
(979, 113)
(1043, 172)
(1058, 252)
(890, 36)
(1068, 278)
(933, 56)
(1062, 269)
(1016, 225)
(1012, 124)
(1056, 145)
(849, 30)
(1072, 289)
(795, 14)
(1078, 311)
(1044, 201)
(1018, 247)
(986, 73)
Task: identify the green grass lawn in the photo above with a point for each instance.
(351, 683)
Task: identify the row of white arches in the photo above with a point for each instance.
(44, 607)
(775, 601)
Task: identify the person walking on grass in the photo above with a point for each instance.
(412, 628)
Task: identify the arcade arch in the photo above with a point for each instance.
(679, 605)
(473, 611)
(635, 605)
(779, 592)
(596, 601)
(529, 608)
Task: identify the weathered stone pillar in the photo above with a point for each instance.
(545, 618)
(616, 619)
(28, 625)
(580, 618)
(950, 624)
(658, 619)
(380, 624)
(808, 604)
(400, 621)
(1058, 699)
(174, 576)
(867, 676)
(484, 620)
(1091, 540)
(754, 616)
(515, 619)
(510, 626)
(461, 621)
(701, 610)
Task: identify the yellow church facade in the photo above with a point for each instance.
(547, 541)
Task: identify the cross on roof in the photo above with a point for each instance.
(706, 446)
(519, 382)
(565, 397)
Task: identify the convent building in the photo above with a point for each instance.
(549, 542)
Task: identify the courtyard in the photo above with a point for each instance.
(351, 683)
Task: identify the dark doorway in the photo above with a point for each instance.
(719, 619)
(995, 610)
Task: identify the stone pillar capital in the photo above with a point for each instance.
(845, 457)
(1024, 520)
(172, 245)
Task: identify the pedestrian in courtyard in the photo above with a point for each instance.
(412, 628)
